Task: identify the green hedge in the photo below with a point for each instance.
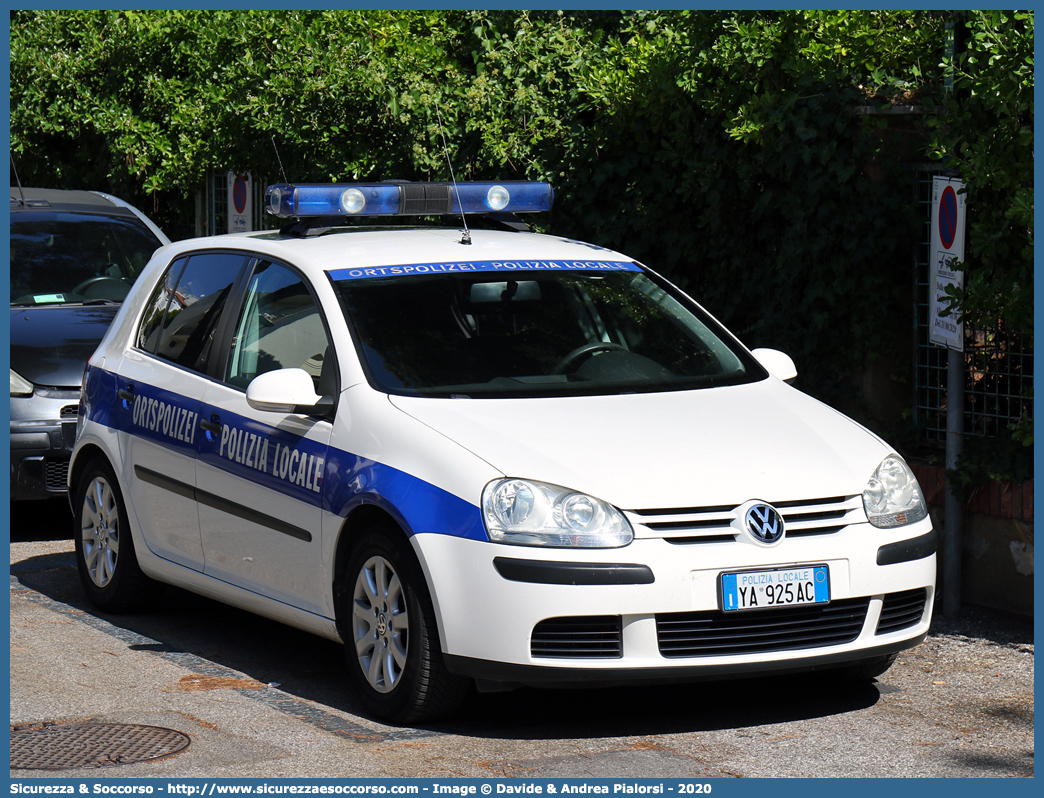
(724, 149)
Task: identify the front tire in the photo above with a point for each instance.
(105, 557)
(392, 641)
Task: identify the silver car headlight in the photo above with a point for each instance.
(524, 512)
(20, 386)
(892, 497)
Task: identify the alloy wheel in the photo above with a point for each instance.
(100, 531)
(380, 624)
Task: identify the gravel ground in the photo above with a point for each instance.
(261, 700)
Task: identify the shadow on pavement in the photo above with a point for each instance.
(195, 631)
(998, 627)
(48, 519)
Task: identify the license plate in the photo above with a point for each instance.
(779, 587)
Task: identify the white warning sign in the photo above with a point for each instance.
(948, 214)
(240, 204)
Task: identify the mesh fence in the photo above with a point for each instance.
(212, 206)
(998, 361)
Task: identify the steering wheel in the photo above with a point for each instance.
(584, 351)
(90, 281)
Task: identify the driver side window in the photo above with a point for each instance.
(280, 327)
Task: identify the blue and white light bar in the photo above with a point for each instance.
(407, 199)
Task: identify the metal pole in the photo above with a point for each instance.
(954, 512)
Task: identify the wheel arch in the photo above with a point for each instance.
(83, 456)
(361, 517)
(129, 588)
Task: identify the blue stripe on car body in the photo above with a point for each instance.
(293, 465)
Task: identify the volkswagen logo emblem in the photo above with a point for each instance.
(764, 523)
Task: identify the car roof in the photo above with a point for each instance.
(362, 247)
(40, 199)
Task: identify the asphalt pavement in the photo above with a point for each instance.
(260, 700)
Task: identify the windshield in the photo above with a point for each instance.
(537, 333)
(59, 258)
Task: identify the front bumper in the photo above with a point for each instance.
(550, 620)
(43, 430)
(496, 676)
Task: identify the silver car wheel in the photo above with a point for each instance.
(100, 531)
(380, 624)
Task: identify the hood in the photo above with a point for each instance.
(719, 446)
(50, 345)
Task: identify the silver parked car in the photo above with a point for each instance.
(74, 256)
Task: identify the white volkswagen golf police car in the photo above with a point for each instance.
(484, 457)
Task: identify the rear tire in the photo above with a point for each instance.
(105, 557)
(392, 639)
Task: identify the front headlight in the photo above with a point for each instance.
(523, 512)
(892, 497)
(20, 386)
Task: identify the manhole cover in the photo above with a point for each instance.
(91, 745)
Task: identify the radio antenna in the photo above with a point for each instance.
(280, 160)
(19, 181)
(466, 238)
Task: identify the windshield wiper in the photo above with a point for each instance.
(64, 302)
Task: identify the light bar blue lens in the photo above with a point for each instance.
(419, 199)
(486, 197)
(332, 200)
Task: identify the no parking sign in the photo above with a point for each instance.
(240, 209)
(948, 213)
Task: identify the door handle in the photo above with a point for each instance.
(127, 394)
(210, 426)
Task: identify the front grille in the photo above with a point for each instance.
(592, 637)
(69, 413)
(902, 610)
(56, 474)
(714, 524)
(716, 633)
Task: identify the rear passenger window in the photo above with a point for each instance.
(181, 318)
(148, 333)
(280, 327)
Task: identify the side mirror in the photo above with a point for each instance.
(287, 391)
(777, 363)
